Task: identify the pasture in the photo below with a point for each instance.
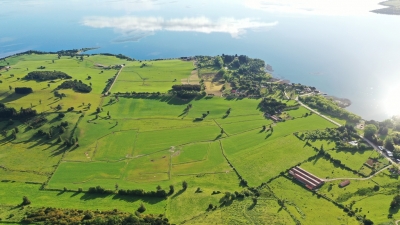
(306, 207)
(157, 141)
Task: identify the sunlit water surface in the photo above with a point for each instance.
(336, 46)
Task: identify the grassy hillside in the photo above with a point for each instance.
(233, 157)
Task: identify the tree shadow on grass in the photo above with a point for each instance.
(60, 193)
(6, 140)
(169, 99)
(178, 193)
(13, 97)
(218, 137)
(251, 206)
(75, 194)
(60, 150)
(148, 200)
(91, 196)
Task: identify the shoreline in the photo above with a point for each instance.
(392, 7)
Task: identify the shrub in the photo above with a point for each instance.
(141, 208)
(25, 201)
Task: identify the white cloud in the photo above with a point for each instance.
(134, 28)
(315, 7)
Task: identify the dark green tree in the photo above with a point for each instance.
(184, 185)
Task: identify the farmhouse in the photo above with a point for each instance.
(344, 183)
(309, 180)
(275, 118)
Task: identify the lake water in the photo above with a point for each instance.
(336, 46)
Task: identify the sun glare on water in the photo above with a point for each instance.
(391, 101)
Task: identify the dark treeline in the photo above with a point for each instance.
(11, 113)
(23, 90)
(47, 215)
(186, 87)
(77, 86)
(71, 52)
(119, 56)
(46, 75)
(135, 192)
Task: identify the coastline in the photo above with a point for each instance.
(392, 8)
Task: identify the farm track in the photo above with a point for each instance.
(354, 178)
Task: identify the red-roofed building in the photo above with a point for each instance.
(309, 180)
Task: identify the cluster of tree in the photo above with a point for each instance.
(73, 216)
(59, 94)
(23, 90)
(395, 202)
(186, 87)
(392, 138)
(329, 106)
(77, 86)
(272, 106)
(37, 122)
(244, 72)
(46, 75)
(346, 132)
(11, 113)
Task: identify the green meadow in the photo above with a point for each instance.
(220, 146)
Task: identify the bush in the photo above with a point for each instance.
(25, 201)
(142, 208)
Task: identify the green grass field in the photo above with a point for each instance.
(139, 142)
(306, 207)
